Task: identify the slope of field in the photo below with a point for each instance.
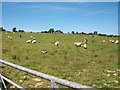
(0, 44)
(96, 66)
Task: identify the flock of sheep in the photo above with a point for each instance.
(9, 37)
(32, 40)
(112, 41)
(81, 44)
(77, 44)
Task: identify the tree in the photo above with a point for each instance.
(104, 35)
(95, 32)
(76, 32)
(58, 31)
(44, 32)
(14, 29)
(90, 33)
(82, 33)
(2, 29)
(51, 30)
(21, 31)
(73, 32)
(100, 34)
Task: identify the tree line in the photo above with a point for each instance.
(52, 30)
(13, 30)
(94, 33)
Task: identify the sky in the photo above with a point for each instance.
(0, 14)
(66, 16)
(60, 0)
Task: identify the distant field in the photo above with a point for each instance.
(96, 66)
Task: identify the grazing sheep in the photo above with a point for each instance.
(29, 41)
(84, 46)
(57, 43)
(110, 40)
(78, 44)
(9, 37)
(31, 37)
(113, 41)
(116, 42)
(34, 41)
(6, 33)
(103, 41)
(44, 52)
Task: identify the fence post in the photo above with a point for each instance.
(53, 86)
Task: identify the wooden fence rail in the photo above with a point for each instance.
(53, 79)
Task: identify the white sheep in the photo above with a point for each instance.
(29, 41)
(78, 44)
(84, 46)
(103, 41)
(57, 43)
(117, 41)
(110, 40)
(31, 37)
(34, 41)
(6, 33)
(9, 37)
(44, 52)
(113, 41)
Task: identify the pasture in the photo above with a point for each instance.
(96, 66)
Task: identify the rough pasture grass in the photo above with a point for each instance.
(85, 66)
(0, 44)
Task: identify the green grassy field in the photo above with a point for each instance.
(96, 66)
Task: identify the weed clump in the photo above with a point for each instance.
(14, 57)
(26, 57)
(4, 50)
